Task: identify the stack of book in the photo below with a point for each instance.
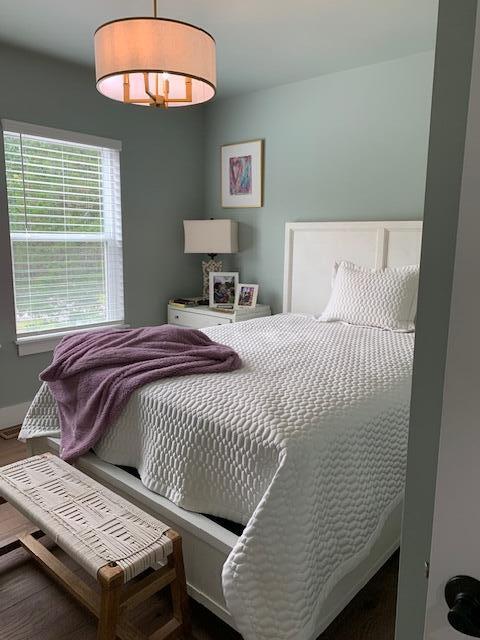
(184, 303)
(225, 309)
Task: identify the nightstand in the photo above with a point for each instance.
(198, 317)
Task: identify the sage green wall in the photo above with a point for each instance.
(346, 146)
(161, 185)
(350, 145)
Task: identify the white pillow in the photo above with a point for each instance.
(385, 298)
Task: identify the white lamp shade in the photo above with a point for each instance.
(161, 48)
(211, 236)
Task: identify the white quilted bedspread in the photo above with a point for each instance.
(306, 445)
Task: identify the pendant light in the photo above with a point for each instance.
(155, 62)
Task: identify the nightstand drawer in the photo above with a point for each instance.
(194, 320)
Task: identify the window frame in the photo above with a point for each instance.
(45, 340)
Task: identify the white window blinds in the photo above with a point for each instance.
(65, 227)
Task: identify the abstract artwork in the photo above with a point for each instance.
(242, 174)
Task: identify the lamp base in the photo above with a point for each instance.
(207, 266)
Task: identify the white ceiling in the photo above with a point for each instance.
(259, 42)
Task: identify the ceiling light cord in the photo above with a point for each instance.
(155, 10)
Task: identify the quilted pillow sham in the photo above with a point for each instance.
(384, 298)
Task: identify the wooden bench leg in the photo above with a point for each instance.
(178, 588)
(15, 543)
(110, 579)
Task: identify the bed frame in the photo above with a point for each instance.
(311, 248)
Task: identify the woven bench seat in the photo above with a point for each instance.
(111, 539)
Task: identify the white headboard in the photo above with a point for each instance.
(311, 248)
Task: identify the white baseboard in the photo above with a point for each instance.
(13, 415)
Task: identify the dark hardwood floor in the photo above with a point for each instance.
(32, 607)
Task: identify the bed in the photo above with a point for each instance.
(305, 446)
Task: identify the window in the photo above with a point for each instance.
(65, 227)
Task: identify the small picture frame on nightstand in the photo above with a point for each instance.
(246, 296)
(223, 287)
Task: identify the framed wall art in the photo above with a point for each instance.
(242, 174)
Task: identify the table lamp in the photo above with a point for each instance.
(211, 237)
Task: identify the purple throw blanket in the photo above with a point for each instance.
(93, 374)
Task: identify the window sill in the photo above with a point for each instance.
(30, 345)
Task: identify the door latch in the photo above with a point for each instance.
(427, 569)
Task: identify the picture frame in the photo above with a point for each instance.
(242, 174)
(223, 288)
(246, 296)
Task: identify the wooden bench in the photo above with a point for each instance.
(131, 554)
